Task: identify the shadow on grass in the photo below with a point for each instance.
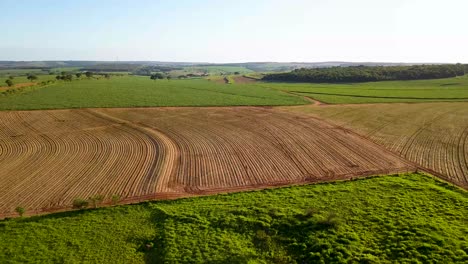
(450, 84)
(73, 213)
(155, 249)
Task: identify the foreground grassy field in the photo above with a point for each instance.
(391, 219)
(450, 90)
(434, 135)
(133, 91)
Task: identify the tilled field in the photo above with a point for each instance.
(50, 158)
(434, 135)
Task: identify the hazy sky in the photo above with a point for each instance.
(235, 31)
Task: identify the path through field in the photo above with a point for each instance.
(50, 158)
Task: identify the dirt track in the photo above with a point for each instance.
(50, 158)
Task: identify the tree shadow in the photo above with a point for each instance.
(58, 215)
(154, 249)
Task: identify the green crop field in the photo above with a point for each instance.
(131, 91)
(450, 89)
(23, 79)
(408, 218)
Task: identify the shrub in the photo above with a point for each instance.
(115, 199)
(9, 82)
(80, 203)
(20, 210)
(96, 199)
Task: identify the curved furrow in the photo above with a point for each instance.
(165, 162)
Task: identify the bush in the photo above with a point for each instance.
(115, 199)
(97, 199)
(80, 203)
(9, 82)
(20, 210)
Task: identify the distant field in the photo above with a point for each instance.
(434, 135)
(450, 89)
(407, 218)
(131, 91)
(65, 69)
(15, 72)
(50, 158)
(217, 69)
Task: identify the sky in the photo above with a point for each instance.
(235, 31)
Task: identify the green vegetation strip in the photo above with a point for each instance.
(370, 73)
(390, 219)
(381, 97)
(131, 91)
(450, 89)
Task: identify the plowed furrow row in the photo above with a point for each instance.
(433, 135)
(50, 158)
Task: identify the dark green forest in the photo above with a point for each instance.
(370, 74)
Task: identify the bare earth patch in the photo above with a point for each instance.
(242, 79)
(19, 85)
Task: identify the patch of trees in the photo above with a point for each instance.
(148, 70)
(31, 77)
(95, 201)
(156, 76)
(9, 82)
(369, 74)
(64, 76)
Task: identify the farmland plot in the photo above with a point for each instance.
(50, 158)
(434, 135)
(47, 159)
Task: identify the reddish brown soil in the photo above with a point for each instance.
(19, 85)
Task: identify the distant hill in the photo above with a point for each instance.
(131, 65)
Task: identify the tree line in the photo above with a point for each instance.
(30, 77)
(369, 74)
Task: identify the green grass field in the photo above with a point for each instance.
(131, 91)
(450, 89)
(409, 218)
